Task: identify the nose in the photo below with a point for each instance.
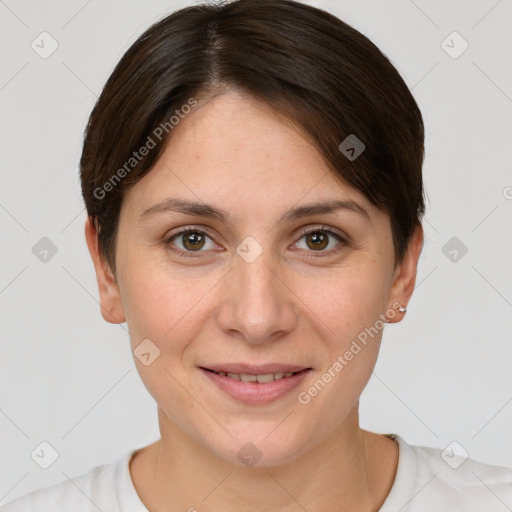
(257, 304)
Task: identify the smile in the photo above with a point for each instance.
(256, 388)
(262, 379)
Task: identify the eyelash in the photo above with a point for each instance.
(303, 232)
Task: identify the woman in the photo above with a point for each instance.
(252, 177)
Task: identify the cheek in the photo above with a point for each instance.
(161, 300)
(345, 302)
(164, 306)
(348, 310)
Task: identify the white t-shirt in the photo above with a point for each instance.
(424, 482)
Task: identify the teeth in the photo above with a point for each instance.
(248, 378)
(244, 377)
(269, 377)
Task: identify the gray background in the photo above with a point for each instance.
(68, 378)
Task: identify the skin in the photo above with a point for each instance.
(237, 154)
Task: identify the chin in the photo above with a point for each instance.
(256, 448)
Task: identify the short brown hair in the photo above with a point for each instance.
(323, 75)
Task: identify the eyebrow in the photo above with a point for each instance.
(205, 210)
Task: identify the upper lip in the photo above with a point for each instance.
(250, 369)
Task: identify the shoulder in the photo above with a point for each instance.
(91, 491)
(456, 475)
(430, 478)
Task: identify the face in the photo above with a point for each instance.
(251, 279)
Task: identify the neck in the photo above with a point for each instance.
(352, 468)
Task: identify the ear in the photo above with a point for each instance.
(405, 277)
(110, 298)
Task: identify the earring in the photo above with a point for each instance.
(402, 309)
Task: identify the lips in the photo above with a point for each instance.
(263, 369)
(261, 374)
(259, 378)
(255, 384)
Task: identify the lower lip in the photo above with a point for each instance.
(254, 392)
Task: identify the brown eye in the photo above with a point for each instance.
(193, 241)
(317, 240)
(321, 240)
(188, 241)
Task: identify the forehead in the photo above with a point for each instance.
(237, 152)
(239, 134)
